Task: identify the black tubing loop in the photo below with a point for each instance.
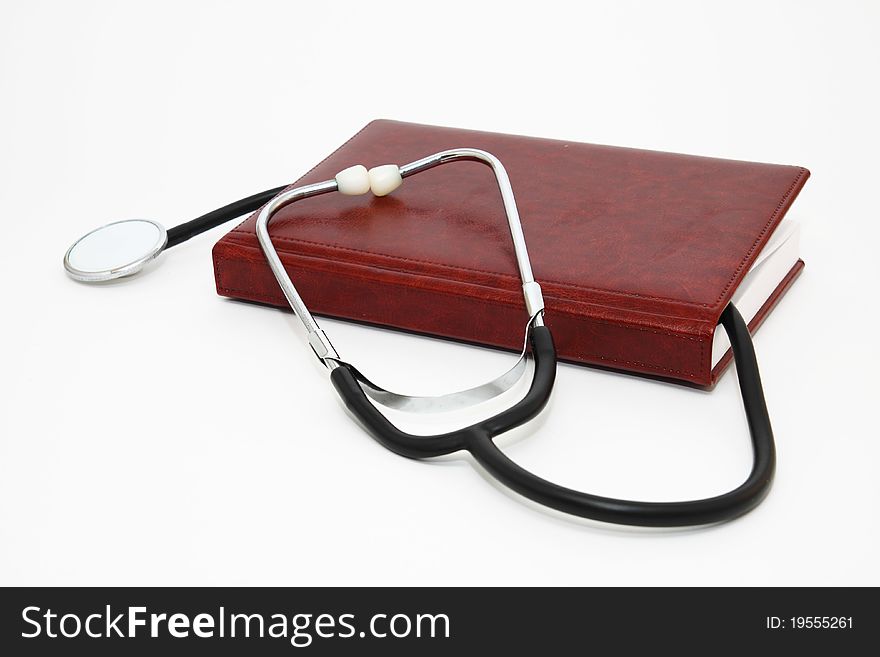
(660, 514)
(478, 438)
(415, 446)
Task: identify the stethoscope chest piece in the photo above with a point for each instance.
(121, 248)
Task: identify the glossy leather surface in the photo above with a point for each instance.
(637, 251)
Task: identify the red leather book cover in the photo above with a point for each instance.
(637, 252)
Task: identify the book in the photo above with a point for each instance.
(637, 252)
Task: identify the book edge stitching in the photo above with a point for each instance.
(701, 339)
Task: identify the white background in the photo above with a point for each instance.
(154, 433)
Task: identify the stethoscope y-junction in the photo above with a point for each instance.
(123, 248)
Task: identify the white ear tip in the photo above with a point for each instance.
(385, 179)
(353, 180)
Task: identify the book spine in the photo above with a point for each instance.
(584, 333)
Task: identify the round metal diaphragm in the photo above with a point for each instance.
(115, 250)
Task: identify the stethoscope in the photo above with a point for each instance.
(123, 248)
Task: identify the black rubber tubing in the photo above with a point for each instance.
(414, 446)
(215, 218)
(477, 439)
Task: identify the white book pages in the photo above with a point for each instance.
(773, 263)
